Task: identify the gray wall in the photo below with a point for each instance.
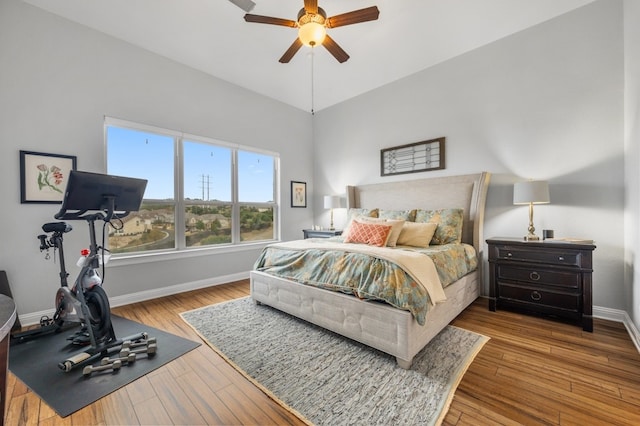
(57, 82)
(632, 157)
(545, 103)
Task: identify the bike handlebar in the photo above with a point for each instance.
(106, 214)
(83, 214)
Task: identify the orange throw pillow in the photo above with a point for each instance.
(368, 233)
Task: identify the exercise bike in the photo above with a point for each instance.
(92, 197)
(69, 312)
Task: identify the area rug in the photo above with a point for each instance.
(327, 379)
(35, 363)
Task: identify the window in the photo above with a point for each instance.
(200, 192)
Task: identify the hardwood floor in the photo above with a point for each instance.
(532, 371)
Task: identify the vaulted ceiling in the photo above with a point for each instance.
(212, 36)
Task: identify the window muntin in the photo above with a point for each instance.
(206, 178)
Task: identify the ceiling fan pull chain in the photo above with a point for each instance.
(312, 81)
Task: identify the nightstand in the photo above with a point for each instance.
(325, 233)
(544, 278)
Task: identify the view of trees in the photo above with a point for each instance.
(152, 228)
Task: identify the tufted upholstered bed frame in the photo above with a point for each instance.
(378, 325)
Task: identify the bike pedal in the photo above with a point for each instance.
(80, 340)
(45, 321)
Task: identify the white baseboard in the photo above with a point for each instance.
(619, 316)
(34, 318)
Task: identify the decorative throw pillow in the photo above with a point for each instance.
(417, 234)
(396, 227)
(368, 233)
(409, 215)
(353, 213)
(449, 222)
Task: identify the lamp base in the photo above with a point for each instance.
(531, 238)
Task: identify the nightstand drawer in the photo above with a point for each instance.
(325, 233)
(539, 297)
(549, 256)
(539, 276)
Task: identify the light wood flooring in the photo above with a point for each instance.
(532, 371)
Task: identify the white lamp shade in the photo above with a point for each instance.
(331, 202)
(533, 191)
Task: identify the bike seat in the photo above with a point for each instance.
(57, 227)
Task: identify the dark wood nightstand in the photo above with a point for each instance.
(325, 233)
(544, 278)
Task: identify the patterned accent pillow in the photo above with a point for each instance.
(449, 222)
(356, 213)
(417, 234)
(368, 233)
(396, 227)
(409, 215)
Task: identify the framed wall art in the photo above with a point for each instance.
(43, 177)
(298, 194)
(412, 158)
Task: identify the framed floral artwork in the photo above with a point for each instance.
(43, 177)
(298, 194)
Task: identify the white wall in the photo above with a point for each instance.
(57, 82)
(632, 157)
(545, 103)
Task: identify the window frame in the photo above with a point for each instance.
(180, 203)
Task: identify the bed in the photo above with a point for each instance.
(380, 325)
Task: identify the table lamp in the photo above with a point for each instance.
(331, 202)
(531, 192)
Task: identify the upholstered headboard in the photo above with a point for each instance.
(468, 192)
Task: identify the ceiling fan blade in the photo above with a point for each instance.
(334, 49)
(246, 5)
(357, 16)
(269, 20)
(292, 50)
(311, 6)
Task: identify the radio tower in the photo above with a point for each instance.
(205, 185)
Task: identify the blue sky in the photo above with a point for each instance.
(207, 168)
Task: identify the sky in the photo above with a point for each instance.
(207, 168)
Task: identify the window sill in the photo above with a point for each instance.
(161, 256)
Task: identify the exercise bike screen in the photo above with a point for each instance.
(92, 191)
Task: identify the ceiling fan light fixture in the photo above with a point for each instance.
(312, 34)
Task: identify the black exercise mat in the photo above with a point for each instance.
(36, 363)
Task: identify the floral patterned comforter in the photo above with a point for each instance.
(368, 277)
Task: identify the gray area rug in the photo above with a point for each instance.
(327, 379)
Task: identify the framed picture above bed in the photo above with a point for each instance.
(298, 194)
(412, 158)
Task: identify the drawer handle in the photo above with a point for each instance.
(509, 254)
(561, 258)
(534, 276)
(535, 296)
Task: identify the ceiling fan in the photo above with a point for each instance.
(246, 5)
(312, 24)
